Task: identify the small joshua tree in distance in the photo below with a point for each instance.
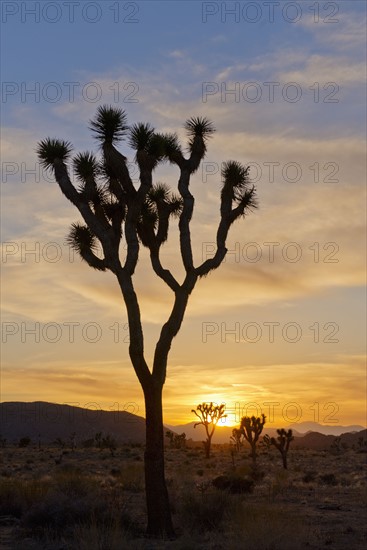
(251, 428)
(282, 444)
(176, 441)
(236, 438)
(209, 416)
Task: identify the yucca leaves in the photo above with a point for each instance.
(82, 240)
(198, 129)
(236, 185)
(50, 149)
(199, 126)
(164, 200)
(234, 174)
(172, 148)
(105, 192)
(140, 135)
(86, 166)
(150, 147)
(249, 199)
(159, 193)
(109, 125)
(160, 204)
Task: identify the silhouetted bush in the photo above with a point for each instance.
(328, 479)
(234, 484)
(206, 512)
(24, 441)
(309, 477)
(17, 495)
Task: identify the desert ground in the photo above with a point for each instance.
(89, 499)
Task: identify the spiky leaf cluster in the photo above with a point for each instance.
(171, 146)
(110, 182)
(107, 194)
(150, 147)
(198, 129)
(147, 224)
(82, 240)
(236, 184)
(86, 166)
(109, 125)
(199, 126)
(160, 204)
(140, 136)
(50, 149)
(164, 200)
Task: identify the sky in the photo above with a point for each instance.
(279, 328)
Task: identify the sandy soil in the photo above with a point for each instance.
(319, 502)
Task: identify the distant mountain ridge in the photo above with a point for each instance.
(44, 422)
(326, 429)
(223, 433)
(47, 421)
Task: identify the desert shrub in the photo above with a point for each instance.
(309, 477)
(345, 481)
(244, 470)
(88, 443)
(60, 443)
(234, 484)
(109, 442)
(57, 512)
(193, 453)
(266, 527)
(132, 477)
(176, 441)
(112, 535)
(24, 441)
(256, 473)
(281, 483)
(72, 482)
(206, 511)
(328, 479)
(17, 496)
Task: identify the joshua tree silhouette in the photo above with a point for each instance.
(114, 210)
(209, 416)
(251, 429)
(282, 442)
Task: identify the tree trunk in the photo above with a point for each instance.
(207, 446)
(253, 452)
(158, 508)
(284, 458)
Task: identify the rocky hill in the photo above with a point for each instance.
(45, 422)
